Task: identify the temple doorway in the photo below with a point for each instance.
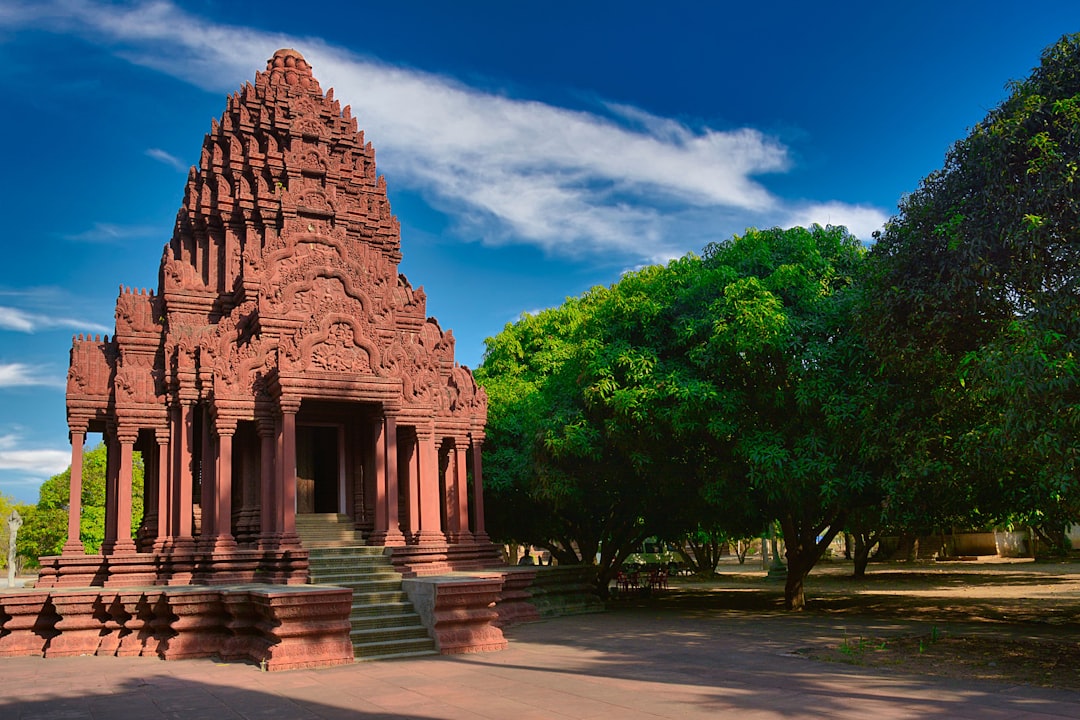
(319, 474)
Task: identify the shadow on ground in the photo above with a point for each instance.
(698, 650)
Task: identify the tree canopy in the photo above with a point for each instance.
(977, 311)
(703, 394)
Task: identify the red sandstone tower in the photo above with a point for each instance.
(282, 367)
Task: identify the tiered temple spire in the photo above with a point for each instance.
(283, 366)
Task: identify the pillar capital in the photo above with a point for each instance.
(289, 404)
(265, 426)
(127, 434)
(225, 427)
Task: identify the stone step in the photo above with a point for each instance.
(327, 530)
(383, 622)
(396, 656)
(349, 551)
(327, 575)
(394, 649)
(345, 562)
(379, 598)
(351, 566)
(362, 611)
(389, 634)
(315, 544)
(365, 587)
(380, 621)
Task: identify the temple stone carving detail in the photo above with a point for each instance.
(282, 366)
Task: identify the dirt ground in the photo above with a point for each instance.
(1014, 621)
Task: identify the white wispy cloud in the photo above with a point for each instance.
(109, 233)
(28, 322)
(38, 462)
(167, 159)
(23, 375)
(617, 181)
(860, 220)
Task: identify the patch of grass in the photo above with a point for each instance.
(1028, 661)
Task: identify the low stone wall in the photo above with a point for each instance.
(565, 590)
(459, 611)
(928, 547)
(176, 568)
(514, 605)
(443, 558)
(277, 626)
(973, 543)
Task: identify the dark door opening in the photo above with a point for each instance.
(317, 469)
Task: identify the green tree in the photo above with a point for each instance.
(554, 476)
(775, 342)
(44, 530)
(976, 310)
(707, 394)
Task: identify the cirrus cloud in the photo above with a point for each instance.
(505, 170)
(38, 462)
(28, 322)
(23, 375)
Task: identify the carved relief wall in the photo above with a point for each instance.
(279, 307)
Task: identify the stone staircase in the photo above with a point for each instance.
(384, 622)
(323, 530)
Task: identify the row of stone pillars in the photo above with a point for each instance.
(423, 524)
(174, 478)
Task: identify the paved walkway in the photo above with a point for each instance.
(629, 664)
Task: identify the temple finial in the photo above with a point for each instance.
(289, 65)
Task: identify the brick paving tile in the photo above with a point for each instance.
(626, 665)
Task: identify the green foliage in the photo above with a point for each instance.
(793, 377)
(708, 395)
(44, 529)
(974, 315)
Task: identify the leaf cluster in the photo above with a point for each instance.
(971, 312)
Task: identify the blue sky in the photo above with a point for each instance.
(532, 150)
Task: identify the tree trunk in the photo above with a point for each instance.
(864, 543)
(1055, 542)
(803, 550)
(794, 597)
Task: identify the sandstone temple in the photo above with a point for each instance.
(283, 376)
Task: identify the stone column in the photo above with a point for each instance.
(112, 475)
(119, 527)
(268, 530)
(165, 527)
(393, 531)
(366, 490)
(74, 545)
(387, 525)
(378, 533)
(430, 517)
(289, 408)
(223, 540)
(183, 430)
(412, 486)
(479, 533)
(247, 515)
(460, 480)
(448, 485)
(148, 528)
(208, 477)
